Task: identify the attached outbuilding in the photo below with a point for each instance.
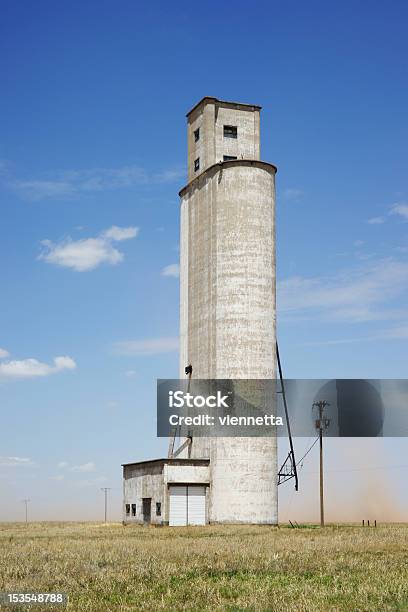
(171, 492)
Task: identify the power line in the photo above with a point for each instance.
(307, 452)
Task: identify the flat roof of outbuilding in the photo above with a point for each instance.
(173, 460)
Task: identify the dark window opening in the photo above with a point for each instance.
(196, 134)
(230, 157)
(127, 508)
(133, 509)
(158, 508)
(197, 164)
(230, 131)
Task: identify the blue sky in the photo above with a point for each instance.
(93, 153)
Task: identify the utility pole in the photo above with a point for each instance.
(25, 501)
(321, 424)
(105, 490)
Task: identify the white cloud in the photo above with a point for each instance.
(85, 467)
(151, 346)
(62, 464)
(15, 461)
(32, 368)
(81, 255)
(88, 253)
(3, 353)
(171, 270)
(73, 183)
(376, 220)
(401, 209)
(59, 477)
(359, 294)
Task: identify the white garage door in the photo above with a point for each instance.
(187, 505)
(178, 506)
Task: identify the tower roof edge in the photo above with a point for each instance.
(209, 99)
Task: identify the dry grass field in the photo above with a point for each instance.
(110, 567)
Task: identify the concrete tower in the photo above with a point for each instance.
(228, 309)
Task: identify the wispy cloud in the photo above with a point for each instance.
(4, 167)
(120, 233)
(91, 482)
(87, 253)
(169, 176)
(58, 478)
(355, 295)
(393, 333)
(3, 353)
(68, 184)
(62, 464)
(151, 346)
(376, 220)
(32, 368)
(400, 209)
(130, 373)
(171, 270)
(15, 462)
(396, 333)
(85, 467)
(292, 194)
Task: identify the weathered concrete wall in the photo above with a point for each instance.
(186, 474)
(145, 480)
(246, 146)
(210, 116)
(203, 117)
(228, 320)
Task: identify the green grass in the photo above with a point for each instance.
(344, 568)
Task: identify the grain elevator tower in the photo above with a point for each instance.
(227, 301)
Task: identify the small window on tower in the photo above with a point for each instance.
(196, 134)
(133, 509)
(230, 131)
(197, 164)
(229, 157)
(127, 508)
(158, 508)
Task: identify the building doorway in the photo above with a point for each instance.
(147, 509)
